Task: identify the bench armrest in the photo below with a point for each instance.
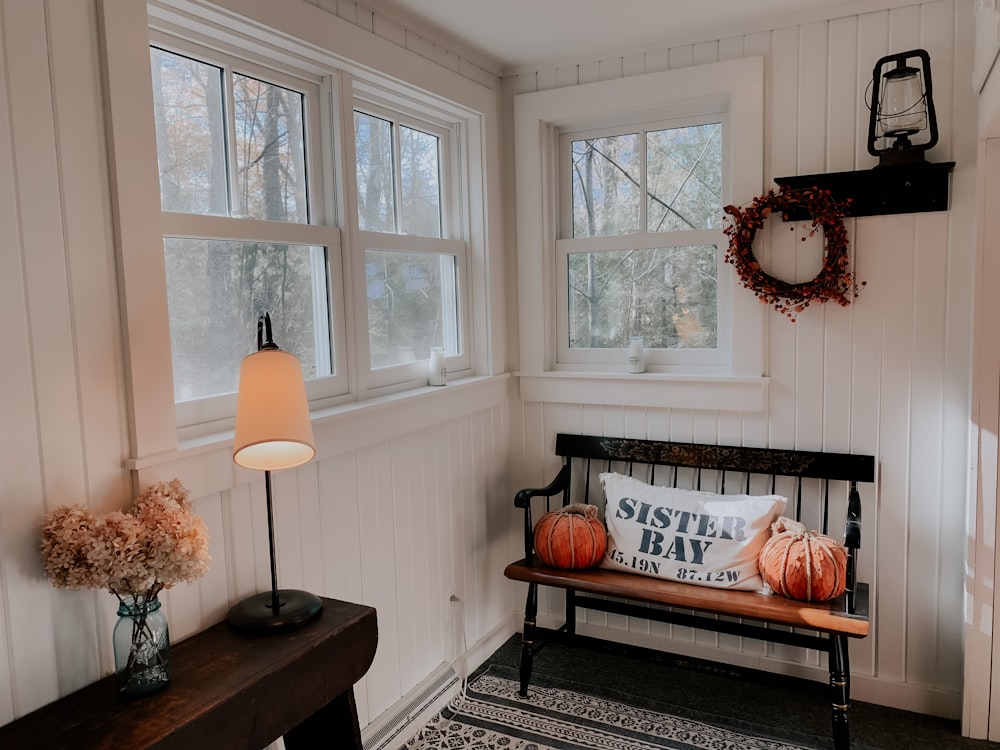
(523, 500)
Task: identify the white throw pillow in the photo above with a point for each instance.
(688, 536)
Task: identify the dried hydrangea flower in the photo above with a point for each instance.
(156, 544)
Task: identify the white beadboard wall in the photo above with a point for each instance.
(406, 504)
(888, 375)
(403, 519)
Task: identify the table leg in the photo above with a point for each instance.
(333, 726)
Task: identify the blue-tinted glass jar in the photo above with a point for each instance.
(142, 646)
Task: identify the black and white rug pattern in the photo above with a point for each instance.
(490, 715)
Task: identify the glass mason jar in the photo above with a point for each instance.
(142, 646)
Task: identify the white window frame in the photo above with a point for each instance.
(210, 414)
(303, 41)
(703, 361)
(380, 102)
(539, 118)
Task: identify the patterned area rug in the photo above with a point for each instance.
(565, 716)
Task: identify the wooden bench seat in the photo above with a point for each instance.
(828, 617)
(825, 626)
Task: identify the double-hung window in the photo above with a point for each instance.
(242, 197)
(409, 229)
(641, 243)
(267, 207)
(620, 190)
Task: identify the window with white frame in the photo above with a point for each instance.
(249, 167)
(640, 241)
(410, 229)
(620, 188)
(241, 194)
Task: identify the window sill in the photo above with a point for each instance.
(659, 390)
(205, 464)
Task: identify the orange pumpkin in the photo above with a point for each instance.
(571, 537)
(801, 564)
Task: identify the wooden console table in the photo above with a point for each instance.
(230, 690)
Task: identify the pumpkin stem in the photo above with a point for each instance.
(589, 512)
(789, 526)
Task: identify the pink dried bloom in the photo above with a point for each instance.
(158, 543)
(67, 549)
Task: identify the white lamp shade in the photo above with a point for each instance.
(273, 429)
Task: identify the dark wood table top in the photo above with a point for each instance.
(229, 689)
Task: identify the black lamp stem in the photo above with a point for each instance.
(274, 609)
(275, 603)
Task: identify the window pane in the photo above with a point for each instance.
(190, 134)
(666, 295)
(215, 291)
(684, 175)
(412, 306)
(270, 158)
(373, 150)
(420, 188)
(606, 178)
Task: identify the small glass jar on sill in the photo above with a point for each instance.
(636, 355)
(437, 371)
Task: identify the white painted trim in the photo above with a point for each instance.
(743, 394)
(139, 236)
(538, 115)
(979, 720)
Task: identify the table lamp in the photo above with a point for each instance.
(273, 431)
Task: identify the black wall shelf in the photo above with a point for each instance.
(882, 190)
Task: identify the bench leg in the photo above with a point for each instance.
(528, 637)
(840, 682)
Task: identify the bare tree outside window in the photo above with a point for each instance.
(420, 182)
(216, 288)
(411, 307)
(270, 163)
(412, 296)
(190, 134)
(664, 181)
(374, 169)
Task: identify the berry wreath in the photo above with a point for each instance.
(835, 282)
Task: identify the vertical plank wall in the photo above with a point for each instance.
(888, 375)
(63, 434)
(403, 520)
(402, 509)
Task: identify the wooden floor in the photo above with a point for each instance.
(739, 695)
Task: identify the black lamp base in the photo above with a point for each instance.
(256, 613)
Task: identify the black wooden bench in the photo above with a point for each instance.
(830, 624)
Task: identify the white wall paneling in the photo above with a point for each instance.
(64, 413)
(981, 717)
(887, 375)
(405, 506)
(408, 501)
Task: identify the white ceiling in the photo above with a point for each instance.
(512, 34)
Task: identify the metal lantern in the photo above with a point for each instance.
(902, 124)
